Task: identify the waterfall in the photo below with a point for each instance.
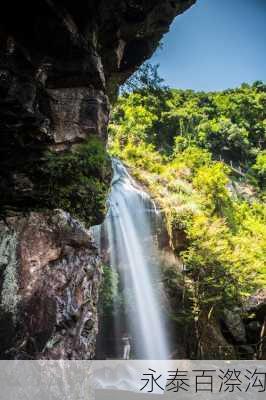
(132, 252)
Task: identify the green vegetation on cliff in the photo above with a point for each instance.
(78, 181)
(201, 156)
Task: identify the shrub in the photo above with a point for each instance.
(78, 180)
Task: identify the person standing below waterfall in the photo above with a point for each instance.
(127, 346)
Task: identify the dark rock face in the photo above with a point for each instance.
(50, 278)
(60, 64)
(255, 308)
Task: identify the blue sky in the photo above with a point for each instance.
(215, 45)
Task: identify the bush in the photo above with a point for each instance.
(259, 168)
(78, 180)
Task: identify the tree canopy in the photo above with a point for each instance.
(202, 157)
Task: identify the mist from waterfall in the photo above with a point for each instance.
(132, 253)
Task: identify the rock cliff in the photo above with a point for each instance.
(50, 275)
(61, 63)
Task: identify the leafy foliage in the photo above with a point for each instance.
(78, 181)
(259, 168)
(146, 78)
(109, 294)
(202, 157)
(231, 125)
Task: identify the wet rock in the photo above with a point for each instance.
(255, 309)
(257, 304)
(212, 344)
(50, 278)
(235, 325)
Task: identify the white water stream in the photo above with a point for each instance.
(132, 254)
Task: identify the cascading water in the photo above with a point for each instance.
(127, 230)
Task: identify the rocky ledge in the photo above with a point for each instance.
(60, 63)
